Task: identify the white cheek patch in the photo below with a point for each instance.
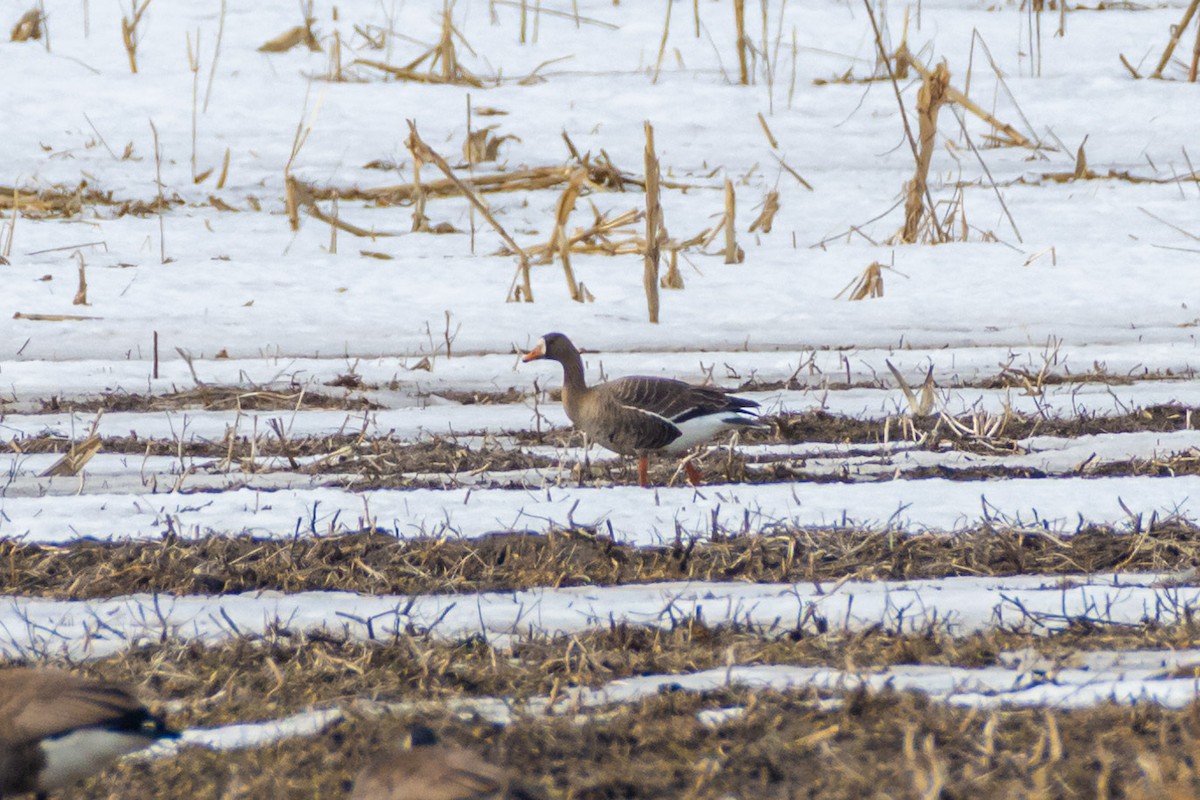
(81, 753)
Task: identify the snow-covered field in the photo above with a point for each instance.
(1065, 298)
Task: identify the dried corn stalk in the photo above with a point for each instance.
(482, 146)
(653, 227)
(919, 407)
(74, 459)
(1176, 33)
(766, 217)
(81, 292)
(559, 241)
(739, 19)
(733, 253)
(425, 153)
(444, 66)
(596, 239)
(29, 26)
(301, 34)
(1008, 132)
(929, 99)
(868, 284)
(672, 280)
(129, 34)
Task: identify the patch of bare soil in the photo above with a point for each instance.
(210, 398)
(1009, 377)
(783, 470)
(377, 563)
(288, 671)
(509, 396)
(780, 745)
(820, 426)
(382, 463)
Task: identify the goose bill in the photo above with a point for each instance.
(538, 351)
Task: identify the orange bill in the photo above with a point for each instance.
(538, 351)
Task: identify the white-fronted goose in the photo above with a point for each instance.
(640, 415)
(426, 770)
(57, 728)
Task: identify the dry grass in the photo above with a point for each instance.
(210, 397)
(820, 426)
(783, 745)
(64, 202)
(377, 461)
(289, 671)
(378, 563)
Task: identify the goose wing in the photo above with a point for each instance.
(42, 702)
(677, 401)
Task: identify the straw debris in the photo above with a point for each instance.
(380, 562)
(766, 217)
(423, 153)
(444, 66)
(869, 284)
(75, 459)
(482, 145)
(1005, 134)
(28, 27)
(1176, 34)
(81, 293)
(129, 31)
(838, 745)
(293, 37)
(210, 397)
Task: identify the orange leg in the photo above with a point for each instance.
(643, 469)
(694, 476)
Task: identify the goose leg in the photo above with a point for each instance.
(694, 476)
(643, 469)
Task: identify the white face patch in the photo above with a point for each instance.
(538, 351)
(81, 753)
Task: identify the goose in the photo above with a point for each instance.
(423, 769)
(640, 415)
(57, 728)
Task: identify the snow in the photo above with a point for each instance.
(95, 628)
(627, 513)
(842, 136)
